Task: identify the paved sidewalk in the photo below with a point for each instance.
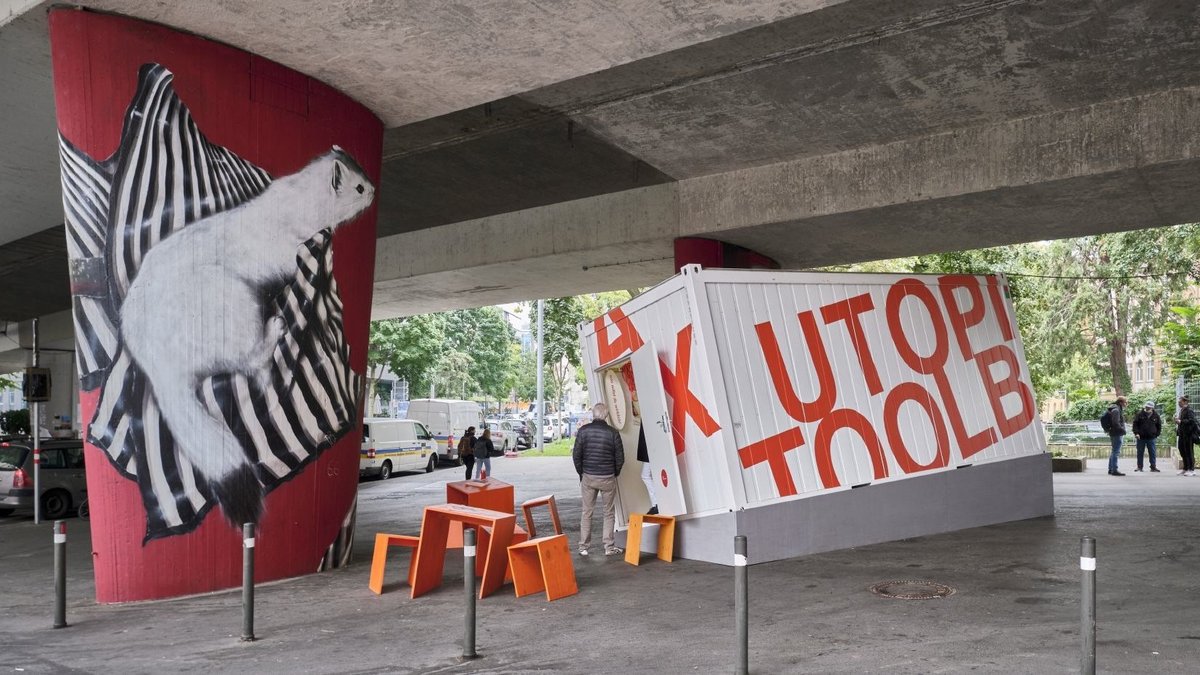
(1016, 609)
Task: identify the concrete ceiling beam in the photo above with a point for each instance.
(1118, 165)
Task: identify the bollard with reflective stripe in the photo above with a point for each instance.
(248, 582)
(469, 585)
(1087, 616)
(741, 605)
(60, 574)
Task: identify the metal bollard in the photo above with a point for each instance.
(469, 586)
(741, 605)
(248, 582)
(60, 574)
(1087, 615)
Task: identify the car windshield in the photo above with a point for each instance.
(12, 457)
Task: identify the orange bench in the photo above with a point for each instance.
(483, 534)
(543, 564)
(379, 559)
(633, 538)
(528, 507)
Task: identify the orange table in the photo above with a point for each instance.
(492, 494)
(430, 558)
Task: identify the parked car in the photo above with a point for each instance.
(522, 430)
(551, 431)
(1076, 433)
(395, 445)
(62, 479)
(447, 420)
(503, 435)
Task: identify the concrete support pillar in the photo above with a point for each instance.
(220, 222)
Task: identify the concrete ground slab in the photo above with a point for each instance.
(1016, 609)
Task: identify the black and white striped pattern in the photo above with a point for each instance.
(164, 177)
(85, 203)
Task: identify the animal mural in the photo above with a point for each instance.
(206, 311)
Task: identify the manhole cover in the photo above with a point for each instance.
(911, 590)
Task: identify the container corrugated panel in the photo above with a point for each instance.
(835, 381)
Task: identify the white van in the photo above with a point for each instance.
(447, 420)
(395, 445)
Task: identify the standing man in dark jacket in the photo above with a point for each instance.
(1147, 426)
(1116, 432)
(598, 455)
(1185, 419)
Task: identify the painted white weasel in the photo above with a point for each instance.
(197, 308)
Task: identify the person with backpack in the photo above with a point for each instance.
(466, 450)
(1113, 421)
(1185, 427)
(1147, 426)
(485, 450)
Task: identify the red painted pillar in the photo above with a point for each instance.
(713, 253)
(220, 220)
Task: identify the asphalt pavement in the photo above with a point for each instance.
(1015, 606)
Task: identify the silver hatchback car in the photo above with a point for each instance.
(62, 477)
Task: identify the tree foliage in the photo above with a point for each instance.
(463, 352)
(1180, 339)
(15, 421)
(1105, 296)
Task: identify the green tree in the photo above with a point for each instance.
(15, 421)
(561, 320)
(9, 382)
(409, 347)
(1105, 296)
(1180, 339)
(451, 375)
(485, 336)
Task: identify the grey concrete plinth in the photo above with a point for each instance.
(945, 501)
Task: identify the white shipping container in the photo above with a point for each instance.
(781, 389)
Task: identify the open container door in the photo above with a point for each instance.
(664, 465)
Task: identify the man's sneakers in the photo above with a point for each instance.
(1154, 470)
(1138, 469)
(615, 550)
(1115, 473)
(653, 510)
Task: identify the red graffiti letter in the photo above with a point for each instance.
(849, 310)
(935, 363)
(993, 285)
(823, 403)
(846, 418)
(771, 451)
(911, 391)
(961, 319)
(997, 389)
(684, 403)
(627, 339)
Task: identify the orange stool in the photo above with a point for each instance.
(483, 534)
(547, 500)
(543, 564)
(633, 538)
(379, 559)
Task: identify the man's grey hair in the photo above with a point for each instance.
(599, 411)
